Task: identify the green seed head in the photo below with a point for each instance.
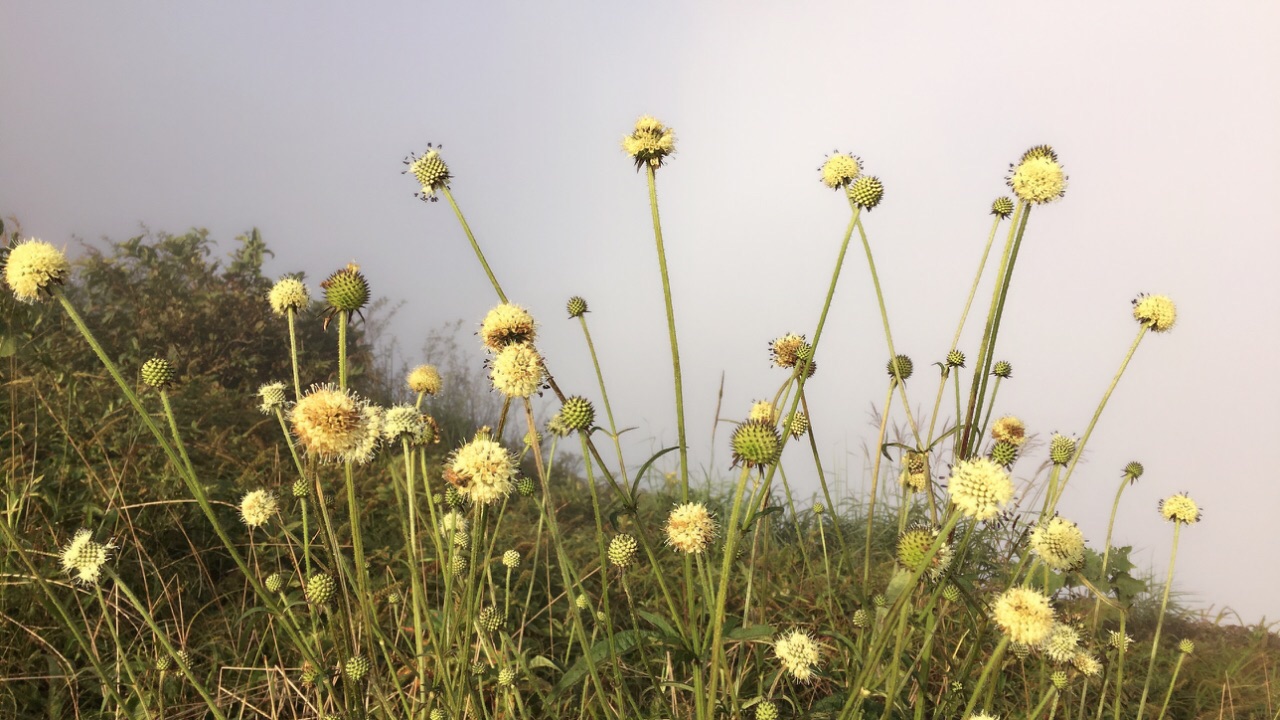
(274, 582)
(184, 659)
(902, 364)
(1061, 448)
(346, 290)
(430, 171)
(272, 397)
(438, 714)
(1002, 369)
(310, 674)
(157, 373)
(951, 593)
(320, 589)
(1022, 651)
(582, 601)
(576, 306)
(459, 565)
(1133, 471)
(622, 550)
(511, 559)
(798, 425)
(578, 413)
(452, 497)
(163, 662)
(394, 598)
(819, 508)
(506, 677)
(860, 618)
(1004, 453)
(1002, 207)
(356, 668)
(301, 488)
(955, 358)
(766, 710)
(525, 486)
(913, 548)
(880, 601)
(489, 620)
(1186, 646)
(866, 191)
(1059, 679)
(461, 540)
(756, 443)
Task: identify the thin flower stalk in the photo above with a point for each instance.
(1164, 605)
(475, 246)
(875, 477)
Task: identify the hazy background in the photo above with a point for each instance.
(294, 117)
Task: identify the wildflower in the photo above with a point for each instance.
(1180, 509)
(430, 171)
(798, 425)
(766, 710)
(506, 677)
(458, 565)
(517, 370)
(330, 423)
(489, 619)
(650, 143)
(983, 716)
(756, 443)
(1024, 615)
(1009, 429)
(525, 486)
(1061, 449)
(33, 268)
(577, 413)
(425, 379)
(346, 290)
(798, 654)
(310, 674)
(1059, 543)
(840, 170)
(785, 351)
(1155, 311)
(368, 440)
(979, 488)
(1039, 177)
(1133, 471)
(582, 601)
(690, 528)
(511, 559)
(622, 550)
(1086, 663)
(403, 422)
(1002, 369)
(915, 472)
(576, 307)
(951, 592)
(866, 191)
(900, 366)
(1186, 646)
(84, 558)
(482, 470)
(1062, 643)
(272, 396)
(274, 582)
(1118, 641)
(1004, 453)
(507, 324)
(301, 488)
(913, 547)
(1059, 679)
(461, 540)
(288, 295)
(861, 618)
(257, 507)
(955, 358)
(452, 522)
(1002, 207)
(157, 373)
(356, 668)
(764, 411)
(320, 589)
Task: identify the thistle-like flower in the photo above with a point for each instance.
(505, 325)
(517, 371)
(272, 397)
(289, 294)
(1062, 643)
(1061, 449)
(1087, 664)
(690, 528)
(430, 171)
(1002, 369)
(622, 550)
(482, 470)
(84, 558)
(577, 413)
(452, 522)
(785, 351)
(798, 425)
(866, 191)
(257, 507)
(756, 443)
(346, 290)
(403, 422)
(650, 143)
(1059, 543)
(955, 358)
(1155, 311)
(1009, 429)
(356, 668)
(1180, 508)
(798, 653)
(157, 373)
(913, 547)
(980, 488)
(1133, 471)
(33, 268)
(1024, 615)
(576, 307)
(902, 364)
(840, 170)
(511, 559)
(1039, 177)
(425, 379)
(764, 411)
(331, 424)
(1002, 207)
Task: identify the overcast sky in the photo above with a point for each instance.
(293, 117)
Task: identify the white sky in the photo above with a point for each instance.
(294, 117)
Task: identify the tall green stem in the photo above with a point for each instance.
(475, 246)
(732, 531)
(1164, 605)
(875, 482)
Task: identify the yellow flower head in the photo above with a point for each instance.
(33, 268)
(690, 528)
(798, 654)
(1180, 509)
(1039, 177)
(1155, 311)
(650, 143)
(257, 507)
(84, 558)
(517, 370)
(430, 171)
(404, 422)
(840, 170)
(425, 379)
(507, 324)
(452, 522)
(915, 472)
(1062, 643)
(980, 488)
(1024, 615)
(786, 350)
(1059, 543)
(764, 411)
(273, 397)
(482, 470)
(1087, 664)
(288, 294)
(331, 424)
(1009, 429)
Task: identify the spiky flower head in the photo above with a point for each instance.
(980, 488)
(880, 600)
(798, 653)
(310, 674)
(1059, 679)
(955, 358)
(372, 418)
(766, 710)
(1004, 453)
(1039, 177)
(274, 582)
(913, 548)
(915, 472)
(184, 659)
(785, 351)
(33, 268)
(902, 364)
(576, 307)
(320, 589)
(330, 423)
(84, 558)
(458, 565)
(1086, 664)
(157, 373)
(272, 397)
(951, 592)
(452, 522)
(461, 540)
(1022, 651)
(517, 370)
(1155, 311)
(1180, 508)
(764, 411)
(622, 550)
(1186, 646)
(430, 171)
(531, 438)
(438, 714)
(482, 470)
(582, 601)
(452, 497)
(425, 379)
(756, 443)
(798, 425)
(1009, 429)
(507, 324)
(1024, 615)
(526, 487)
(257, 507)
(346, 290)
(300, 488)
(1003, 369)
(1062, 643)
(861, 618)
(840, 170)
(163, 662)
(356, 668)
(289, 294)
(489, 619)
(819, 508)
(506, 677)
(1133, 471)
(578, 413)
(1059, 543)
(403, 422)
(1061, 449)
(866, 191)
(511, 559)
(650, 143)
(690, 528)
(982, 716)
(1118, 640)
(1002, 207)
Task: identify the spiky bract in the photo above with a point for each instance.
(346, 290)
(756, 443)
(157, 373)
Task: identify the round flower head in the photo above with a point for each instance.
(1118, 641)
(840, 170)
(403, 422)
(690, 528)
(506, 677)
(915, 472)
(798, 425)
(506, 324)
(785, 351)
(272, 396)
(866, 192)
(452, 522)
(1086, 663)
(1002, 369)
(33, 268)
(1059, 543)
(1186, 646)
(913, 547)
(764, 411)
(483, 471)
(157, 373)
(1180, 509)
(577, 413)
(84, 558)
(425, 379)
(346, 290)
(1062, 643)
(257, 507)
(650, 143)
(371, 436)
(766, 710)
(576, 307)
(902, 365)
(1061, 449)
(622, 550)
(356, 668)
(980, 488)
(1002, 207)
(430, 171)
(798, 654)
(1004, 453)
(511, 559)
(1024, 615)
(983, 716)
(330, 423)
(288, 295)
(274, 582)
(756, 443)
(1009, 429)
(1133, 471)
(1038, 178)
(517, 371)
(1155, 311)
(320, 589)
(955, 358)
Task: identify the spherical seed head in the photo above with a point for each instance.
(951, 593)
(860, 618)
(1002, 369)
(1186, 646)
(458, 565)
(1155, 311)
(1009, 429)
(489, 620)
(582, 601)
(1059, 679)
(184, 658)
(483, 471)
(650, 143)
(425, 379)
(798, 425)
(913, 547)
(163, 662)
(272, 397)
(403, 422)
(430, 171)
(955, 358)
(33, 268)
(517, 371)
(578, 413)
(310, 674)
(1062, 643)
(452, 522)
(915, 472)
(756, 443)
(157, 372)
(798, 654)
(785, 351)
(1002, 207)
(289, 294)
(346, 290)
(507, 324)
(274, 582)
(1061, 449)
(766, 710)
(902, 364)
(1118, 640)
(526, 487)
(453, 498)
(1004, 453)
(1024, 615)
(1180, 508)
(320, 589)
(1022, 651)
(394, 598)
(1038, 178)
(84, 558)
(977, 715)
(980, 488)
(840, 170)
(866, 192)
(257, 507)
(819, 508)
(356, 668)
(1059, 543)
(1133, 471)
(576, 307)
(461, 539)
(880, 601)
(331, 424)
(370, 438)
(690, 528)
(511, 559)
(506, 677)
(301, 488)
(623, 550)
(1087, 664)
(438, 714)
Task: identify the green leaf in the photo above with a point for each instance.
(542, 661)
(625, 642)
(751, 632)
(661, 623)
(635, 486)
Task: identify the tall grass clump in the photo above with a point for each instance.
(386, 555)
